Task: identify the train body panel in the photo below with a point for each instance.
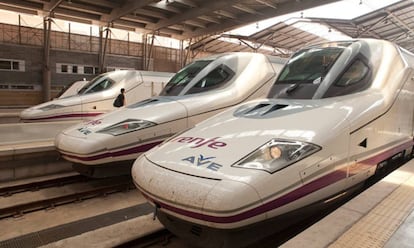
(337, 114)
(98, 95)
(200, 90)
(72, 89)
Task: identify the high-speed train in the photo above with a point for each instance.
(338, 113)
(198, 91)
(97, 96)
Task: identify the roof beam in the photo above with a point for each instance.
(103, 3)
(225, 14)
(282, 8)
(18, 9)
(400, 22)
(151, 13)
(127, 8)
(209, 19)
(187, 2)
(195, 23)
(92, 9)
(205, 8)
(245, 9)
(267, 3)
(52, 5)
(165, 6)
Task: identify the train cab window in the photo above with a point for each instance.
(354, 79)
(183, 77)
(103, 85)
(97, 84)
(215, 79)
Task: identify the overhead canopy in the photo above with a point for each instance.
(394, 23)
(180, 19)
(205, 22)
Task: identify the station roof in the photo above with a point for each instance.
(394, 23)
(204, 23)
(181, 19)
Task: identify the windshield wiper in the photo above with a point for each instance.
(292, 88)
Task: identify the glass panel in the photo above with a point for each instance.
(302, 75)
(213, 80)
(183, 77)
(5, 65)
(88, 85)
(74, 69)
(309, 65)
(104, 84)
(88, 70)
(354, 79)
(64, 68)
(354, 74)
(15, 65)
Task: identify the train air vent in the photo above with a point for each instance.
(196, 230)
(143, 103)
(274, 108)
(258, 106)
(258, 110)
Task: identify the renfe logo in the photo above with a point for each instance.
(198, 142)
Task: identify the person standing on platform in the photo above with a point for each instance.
(120, 99)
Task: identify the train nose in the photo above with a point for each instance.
(78, 149)
(206, 201)
(29, 113)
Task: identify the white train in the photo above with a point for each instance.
(338, 113)
(97, 96)
(201, 89)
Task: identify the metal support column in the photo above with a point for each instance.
(144, 50)
(102, 48)
(47, 77)
(149, 53)
(181, 54)
(69, 41)
(20, 30)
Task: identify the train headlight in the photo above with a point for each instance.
(127, 126)
(277, 154)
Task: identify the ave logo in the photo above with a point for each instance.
(203, 161)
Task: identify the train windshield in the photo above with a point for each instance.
(304, 72)
(183, 77)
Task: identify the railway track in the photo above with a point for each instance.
(20, 199)
(33, 186)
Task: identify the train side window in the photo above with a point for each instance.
(354, 79)
(215, 79)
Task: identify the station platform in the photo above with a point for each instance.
(10, 114)
(381, 216)
(28, 150)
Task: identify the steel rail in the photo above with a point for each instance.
(101, 190)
